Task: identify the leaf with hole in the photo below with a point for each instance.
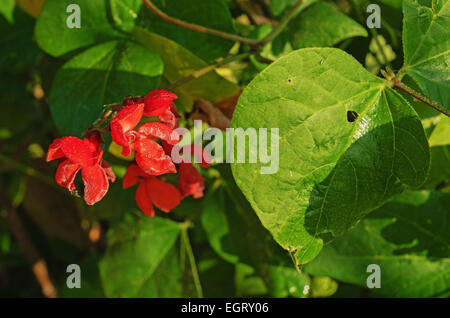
(332, 171)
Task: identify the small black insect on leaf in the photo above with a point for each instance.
(351, 116)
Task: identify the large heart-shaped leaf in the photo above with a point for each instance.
(213, 14)
(133, 263)
(100, 21)
(101, 75)
(347, 143)
(408, 238)
(426, 44)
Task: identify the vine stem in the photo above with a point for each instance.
(252, 43)
(190, 253)
(197, 27)
(404, 88)
(283, 23)
(294, 261)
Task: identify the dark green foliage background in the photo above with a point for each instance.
(381, 184)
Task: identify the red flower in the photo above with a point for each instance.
(157, 102)
(190, 181)
(122, 126)
(160, 103)
(85, 155)
(151, 191)
(150, 156)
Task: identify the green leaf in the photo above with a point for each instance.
(323, 287)
(408, 238)
(439, 167)
(101, 21)
(180, 63)
(215, 221)
(318, 25)
(213, 14)
(426, 45)
(101, 75)
(166, 281)
(439, 141)
(288, 282)
(125, 13)
(280, 7)
(441, 133)
(248, 283)
(140, 258)
(7, 8)
(332, 171)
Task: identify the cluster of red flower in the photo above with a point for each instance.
(152, 159)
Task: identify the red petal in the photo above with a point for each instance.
(143, 199)
(54, 150)
(174, 110)
(125, 120)
(151, 158)
(132, 176)
(95, 183)
(160, 131)
(164, 195)
(157, 102)
(190, 181)
(108, 170)
(126, 151)
(85, 152)
(169, 119)
(65, 174)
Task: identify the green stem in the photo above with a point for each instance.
(200, 72)
(283, 23)
(404, 88)
(254, 44)
(295, 263)
(190, 253)
(197, 27)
